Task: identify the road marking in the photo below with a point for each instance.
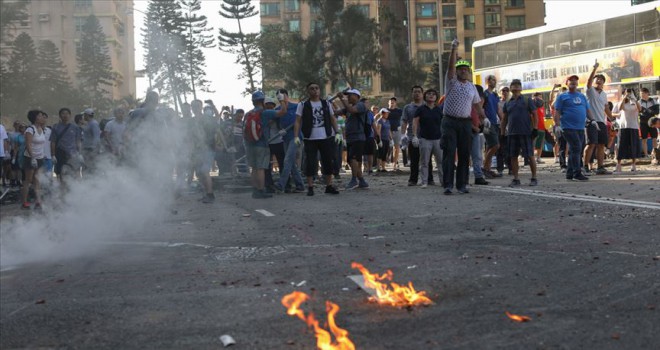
(577, 197)
(264, 212)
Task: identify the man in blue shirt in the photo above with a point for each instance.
(258, 153)
(493, 129)
(520, 121)
(290, 166)
(571, 111)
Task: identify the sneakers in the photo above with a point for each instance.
(424, 186)
(209, 198)
(463, 190)
(352, 184)
(329, 189)
(556, 160)
(581, 177)
(26, 206)
(603, 171)
(481, 181)
(563, 170)
(534, 182)
(410, 183)
(587, 172)
(363, 183)
(514, 183)
(487, 173)
(539, 161)
(431, 183)
(310, 191)
(447, 191)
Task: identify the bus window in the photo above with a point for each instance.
(551, 42)
(646, 26)
(619, 31)
(507, 52)
(486, 56)
(588, 36)
(529, 48)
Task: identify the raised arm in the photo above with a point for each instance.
(591, 76)
(451, 69)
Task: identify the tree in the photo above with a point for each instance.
(22, 76)
(244, 45)
(94, 65)
(197, 37)
(54, 88)
(10, 13)
(433, 77)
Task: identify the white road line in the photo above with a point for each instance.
(576, 197)
(264, 212)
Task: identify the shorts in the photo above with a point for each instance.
(539, 139)
(205, 162)
(27, 163)
(520, 145)
(257, 157)
(369, 146)
(355, 150)
(647, 131)
(62, 159)
(595, 136)
(396, 137)
(493, 136)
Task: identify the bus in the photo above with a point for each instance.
(626, 45)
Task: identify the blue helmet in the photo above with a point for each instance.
(258, 95)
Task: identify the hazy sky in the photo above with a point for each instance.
(222, 71)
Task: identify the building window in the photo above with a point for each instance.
(314, 8)
(468, 22)
(468, 3)
(427, 34)
(292, 5)
(270, 9)
(515, 3)
(448, 34)
(515, 22)
(79, 22)
(469, 40)
(364, 9)
(492, 2)
(364, 83)
(82, 4)
(493, 20)
(426, 10)
(294, 25)
(427, 58)
(449, 11)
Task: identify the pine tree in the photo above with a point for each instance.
(94, 64)
(54, 88)
(244, 45)
(22, 76)
(197, 37)
(10, 13)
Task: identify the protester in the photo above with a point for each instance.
(629, 147)
(35, 143)
(492, 133)
(290, 169)
(357, 130)
(383, 135)
(66, 144)
(649, 108)
(427, 132)
(409, 111)
(91, 142)
(395, 123)
(597, 136)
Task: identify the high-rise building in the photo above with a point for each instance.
(61, 22)
(431, 25)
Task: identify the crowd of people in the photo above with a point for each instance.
(486, 128)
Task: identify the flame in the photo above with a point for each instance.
(392, 294)
(323, 338)
(518, 318)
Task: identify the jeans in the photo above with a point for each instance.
(276, 149)
(413, 156)
(562, 152)
(575, 141)
(429, 148)
(502, 155)
(456, 138)
(336, 162)
(478, 142)
(290, 167)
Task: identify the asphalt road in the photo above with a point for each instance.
(580, 259)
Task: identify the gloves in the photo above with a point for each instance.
(297, 141)
(558, 131)
(487, 123)
(80, 158)
(415, 141)
(595, 123)
(339, 138)
(282, 132)
(380, 144)
(54, 160)
(34, 164)
(404, 140)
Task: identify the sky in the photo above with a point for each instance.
(223, 72)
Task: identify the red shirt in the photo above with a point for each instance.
(541, 112)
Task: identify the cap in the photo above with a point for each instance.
(599, 75)
(269, 100)
(571, 77)
(463, 63)
(258, 95)
(88, 111)
(384, 110)
(352, 91)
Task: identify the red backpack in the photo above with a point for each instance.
(252, 127)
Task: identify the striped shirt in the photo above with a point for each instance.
(460, 98)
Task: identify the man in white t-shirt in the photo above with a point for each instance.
(114, 132)
(597, 136)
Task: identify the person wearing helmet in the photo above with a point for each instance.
(461, 97)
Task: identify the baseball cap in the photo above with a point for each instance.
(384, 110)
(269, 100)
(89, 111)
(352, 91)
(571, 77)
(258, 95)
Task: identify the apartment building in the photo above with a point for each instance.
(61, 22)
(431, 25)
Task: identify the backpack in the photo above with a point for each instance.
(252, 127)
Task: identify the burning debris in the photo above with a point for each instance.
(323, 338)
(392, 293)
(518, 318)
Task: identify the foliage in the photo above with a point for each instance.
(10, 13)
(94, 64)
(197, 34)
(21, 78)
(54, 89)
(243, 45)
(433, 77)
